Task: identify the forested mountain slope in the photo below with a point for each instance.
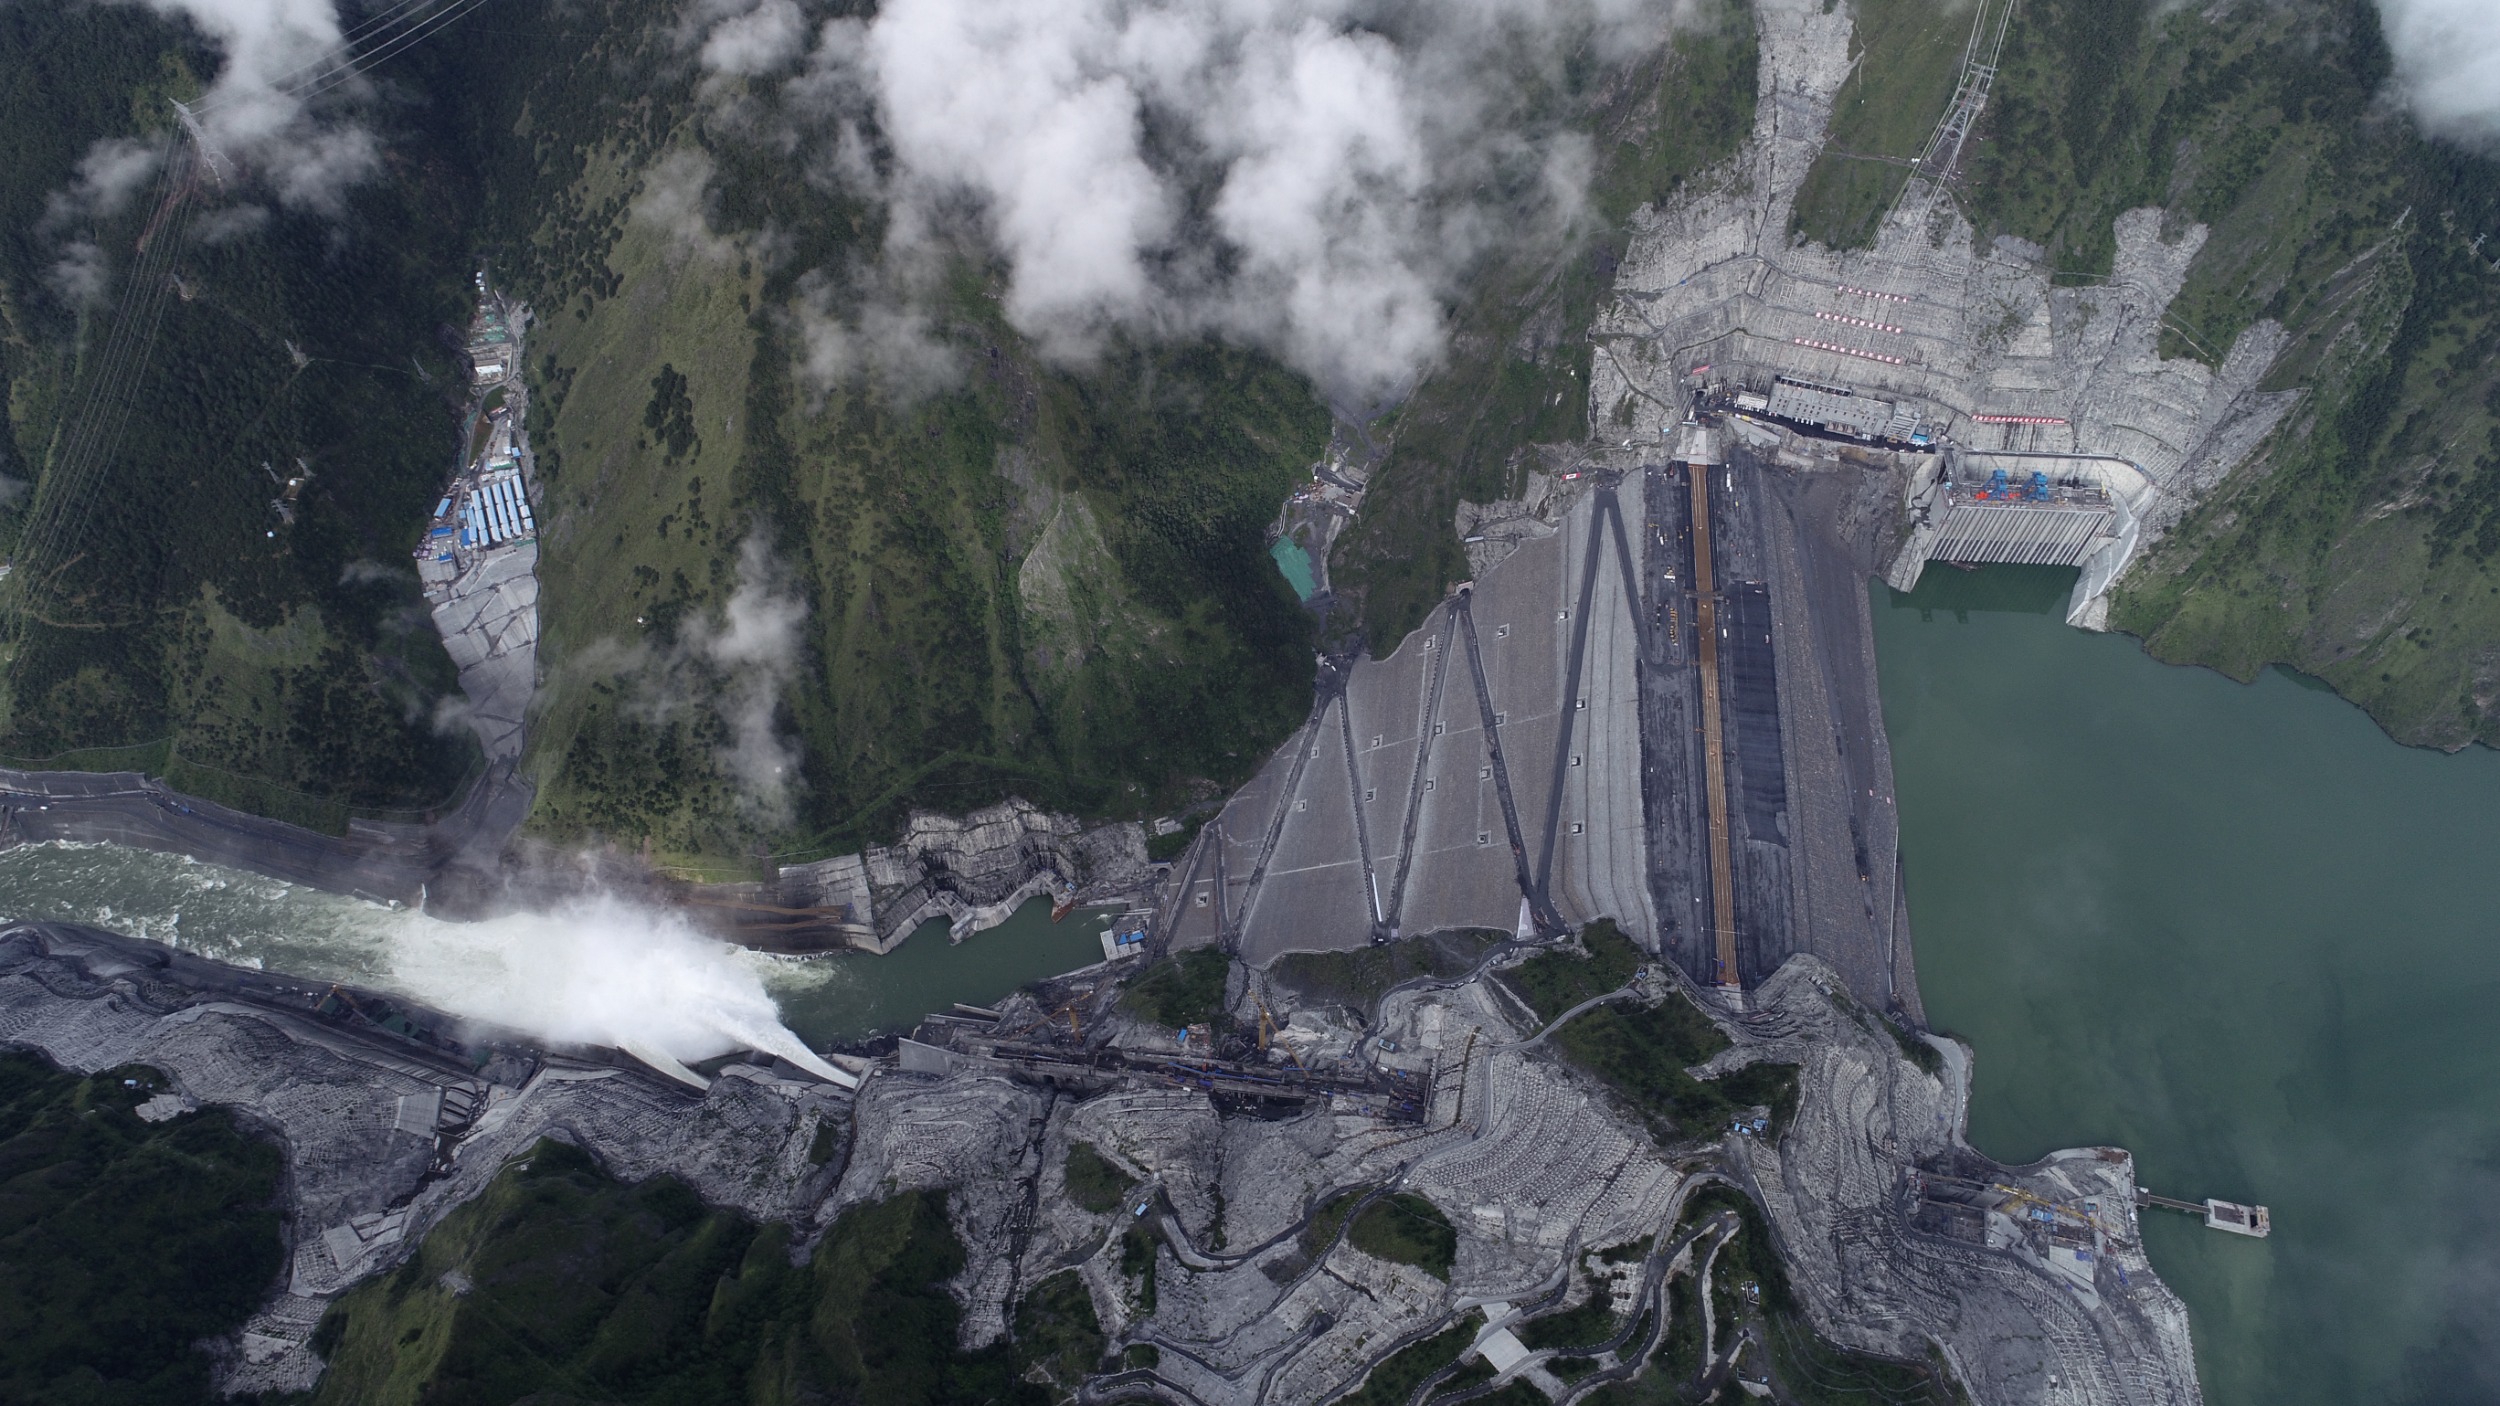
(2359, 544)
(1012, 578)
(1019, 578)
(822, 537)
(254, 656)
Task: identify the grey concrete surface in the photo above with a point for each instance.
(1314, 895)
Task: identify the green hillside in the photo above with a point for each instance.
(561, 1284)
(1518, 366)
(2358, 545)
(1026, 580)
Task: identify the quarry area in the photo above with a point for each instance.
(1215, 1209)
(1643, 740)
(1928, 347)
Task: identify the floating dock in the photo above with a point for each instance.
(2255, 1221)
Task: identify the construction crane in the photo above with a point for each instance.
(1267, 1035)
(2021, 1197)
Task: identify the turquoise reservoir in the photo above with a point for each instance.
(2234, 928)
(1296, 564)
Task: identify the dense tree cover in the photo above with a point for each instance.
(1642, 1053)
(1094, 1182)
(278, 647)
(123, 1243)
(1184, 989)
(1394, 1381)
(1406, 1229)
(1554, 982)
(1360, 977)
(562, 1283)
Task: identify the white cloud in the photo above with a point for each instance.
(1309, 176)
(757, 40)
(108, 176)
(755, 647)
(2447, 55)
(111, 173)
(735, 663)
(251, 117)
(230, 223)
(672, 202)
(364, 571)
(885, 340)
(81, 273)
(1029, 106)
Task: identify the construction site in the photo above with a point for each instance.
(1653, 703)
(478, 559)
(1931, 344)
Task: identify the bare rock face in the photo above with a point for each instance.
(978, 1136)
(384, 1139)
(1901, 1240)
(1856, 1187)
(1977, 337)
(972, 871)
(2031, 1282)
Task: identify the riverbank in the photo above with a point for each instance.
(253, 920)
(382, 861)
(2238, 930)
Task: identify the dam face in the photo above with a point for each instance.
(1485, 775)
(1540, 753)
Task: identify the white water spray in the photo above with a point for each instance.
(598, 971)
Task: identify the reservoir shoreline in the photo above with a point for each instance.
(2240, 930)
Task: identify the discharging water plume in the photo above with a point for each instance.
(593, 971)
(597, 971)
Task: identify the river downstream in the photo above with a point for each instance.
(2238, 930)
(633, 969)
(2231, 927)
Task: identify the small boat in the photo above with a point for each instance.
(1062, 902)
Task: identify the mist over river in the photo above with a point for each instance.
(2238, 930)
(599, 971)
(2232, 927)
